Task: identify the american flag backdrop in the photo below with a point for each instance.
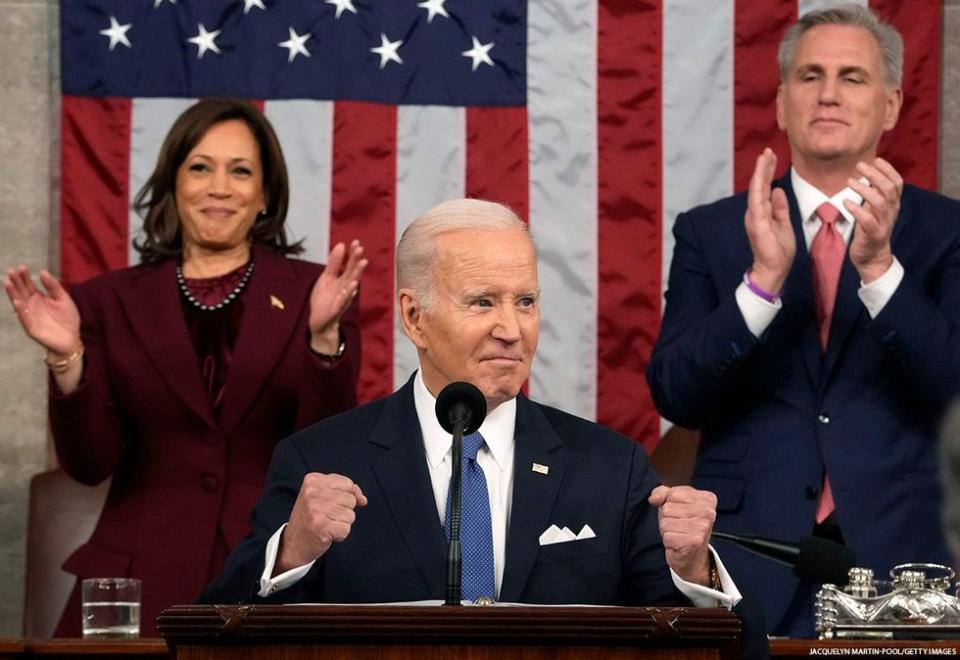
(598, 120)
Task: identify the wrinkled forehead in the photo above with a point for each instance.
(506, 258)
(839, 45)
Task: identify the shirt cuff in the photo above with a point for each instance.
(702, 596)
(757, 312)
(879, 292)
(271, 585)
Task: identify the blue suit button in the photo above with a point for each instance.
(811, 492)
(824, 418)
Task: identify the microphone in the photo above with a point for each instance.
(460, 410)
(813, 558)
(461, 402)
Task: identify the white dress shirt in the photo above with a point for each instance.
(496, 459)
(759, 313)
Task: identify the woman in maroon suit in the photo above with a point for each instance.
(179, 375)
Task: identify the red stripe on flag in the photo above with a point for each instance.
(630, 211)
(758, 28)
(497, 163)
(94, 186)
(912, 146)
(363, 206)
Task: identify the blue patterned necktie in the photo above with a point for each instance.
(476, 535)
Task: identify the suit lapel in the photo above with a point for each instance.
(798, 309)
(264, 331)
(152, 301)
(402, 474)
(534, 494)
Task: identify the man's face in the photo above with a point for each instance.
(834, 103)
(484, 322)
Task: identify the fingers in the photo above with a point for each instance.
(758, 194)
(52, 285)
(684, 512)
(335, 259)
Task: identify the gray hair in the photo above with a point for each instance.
(950, 476)
(888, 39)
(416, 252)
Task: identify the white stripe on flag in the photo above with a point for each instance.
(806, 6)
(150, 120)
(305, 131)
(431, 168)
(562, 126)
(697, 115)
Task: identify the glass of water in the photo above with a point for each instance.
(111, 608)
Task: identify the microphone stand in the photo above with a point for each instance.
(454, 559)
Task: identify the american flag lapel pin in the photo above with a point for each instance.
(276, 302)
(540, 468)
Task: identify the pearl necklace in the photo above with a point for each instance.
(237, 290)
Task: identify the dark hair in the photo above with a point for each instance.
(156, 201)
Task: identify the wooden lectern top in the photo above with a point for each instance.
(381, 631)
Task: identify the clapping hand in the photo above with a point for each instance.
(332, 294)
(767, 222)
(51, 319)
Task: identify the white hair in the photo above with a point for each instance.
(888, 39)
(416, 252)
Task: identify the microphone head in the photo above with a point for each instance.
(824, 561)
(461, 402)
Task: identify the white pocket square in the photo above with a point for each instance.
(554, 534)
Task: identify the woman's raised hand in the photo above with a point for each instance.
(50, 318)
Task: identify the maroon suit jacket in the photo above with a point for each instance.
(142, 415)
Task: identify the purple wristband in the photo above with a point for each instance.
(755, 288)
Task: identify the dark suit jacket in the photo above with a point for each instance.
(141, 414)
(396, 549)
(774, 413)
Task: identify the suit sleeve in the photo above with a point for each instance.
(329, 388)
(702, 340)
(920, 332)
(240, 580)
(87, 424)
(646, 574)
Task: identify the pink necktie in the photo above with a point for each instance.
(826, 259)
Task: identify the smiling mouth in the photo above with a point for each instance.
(503, 360)
(218, 212)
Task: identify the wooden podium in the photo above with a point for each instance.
(301, 632)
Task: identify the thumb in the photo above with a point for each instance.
(781, 209)
(659, 495)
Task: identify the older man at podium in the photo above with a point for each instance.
(556, 509)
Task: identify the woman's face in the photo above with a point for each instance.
(220, 188)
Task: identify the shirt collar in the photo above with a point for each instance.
(497, 429)
(809, 198)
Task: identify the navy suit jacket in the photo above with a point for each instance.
(396, 549)
(774, 413)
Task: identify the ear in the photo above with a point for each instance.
(781, 115)
(411, 316)
(894, 103)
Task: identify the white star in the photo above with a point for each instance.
(341, 5)
(479, 53)
(250, 4)
(117, 33)
(387, 50)
(157, 3)
(295, 45)
(433, 8)
(205, 41)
